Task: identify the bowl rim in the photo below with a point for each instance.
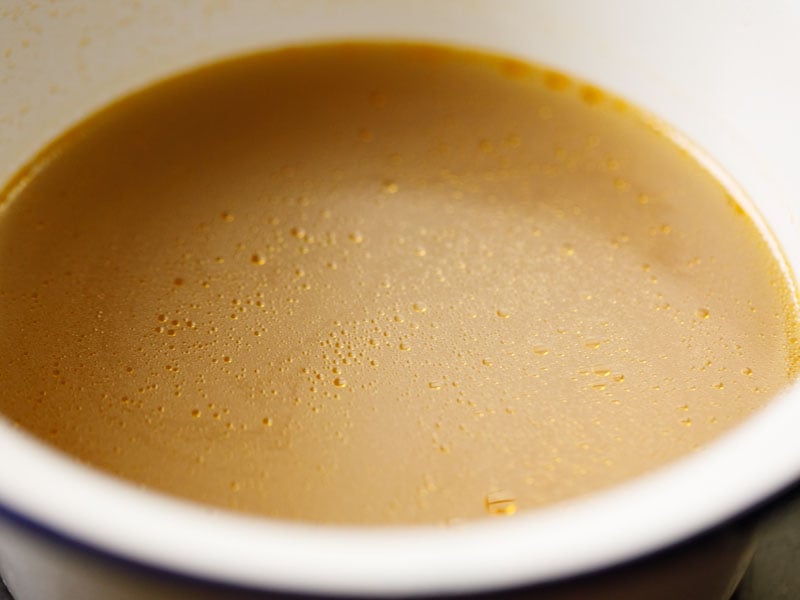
(633, 519)
(680, 500)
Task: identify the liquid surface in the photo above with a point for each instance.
(381, 284)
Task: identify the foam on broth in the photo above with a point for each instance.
(381, 283)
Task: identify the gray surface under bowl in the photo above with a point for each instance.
(775, 571)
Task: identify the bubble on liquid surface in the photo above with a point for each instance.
(390, 187)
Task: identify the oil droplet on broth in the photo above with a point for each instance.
(621, 185)
(557, 81)
(391, 187)
(591, 95)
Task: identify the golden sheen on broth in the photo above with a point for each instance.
(382, 283)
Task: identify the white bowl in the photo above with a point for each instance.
(725, 74)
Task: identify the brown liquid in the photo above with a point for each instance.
(381, 284)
